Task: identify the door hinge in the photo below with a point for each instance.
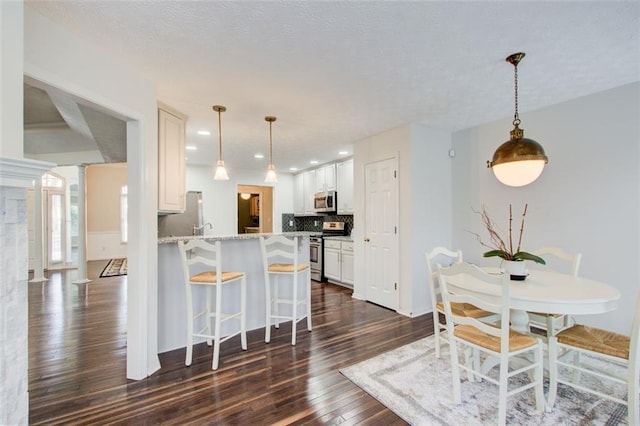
(395, 286)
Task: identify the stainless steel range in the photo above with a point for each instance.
(316, 247)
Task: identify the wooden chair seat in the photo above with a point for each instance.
(596, 340)
(517, 341)
(465, 310)
(287, 267)
(211, 277)
(567, 365)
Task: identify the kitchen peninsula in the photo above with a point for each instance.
(239, 253)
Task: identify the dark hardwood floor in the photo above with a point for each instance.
(77, 363)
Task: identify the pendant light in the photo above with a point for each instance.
(271, 169)
(221, 172)
(519, 161)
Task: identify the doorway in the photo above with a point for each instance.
(255, 209)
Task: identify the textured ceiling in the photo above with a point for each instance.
(336, 72)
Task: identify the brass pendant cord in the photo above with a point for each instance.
(219, 136)
(516, 116)
(270, 143)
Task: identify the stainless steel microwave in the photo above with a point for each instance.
(325, 202)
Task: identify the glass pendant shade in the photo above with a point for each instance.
(519, 161)
(221, 172)
(271, 174)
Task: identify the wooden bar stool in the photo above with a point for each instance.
(280, 259)
(202, 266)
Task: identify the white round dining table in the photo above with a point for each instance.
(546, 292)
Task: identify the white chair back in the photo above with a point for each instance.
(438, 256)
(560, 260)
(279, 249)
(198, 255)
(495, 300)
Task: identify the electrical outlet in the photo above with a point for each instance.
(315, 223)
(290, 223)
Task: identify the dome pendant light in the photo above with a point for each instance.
(519, 161)
(271, 169)
(221, 172)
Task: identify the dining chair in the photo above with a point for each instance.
(280, 260)
(444, 256)
(497, 342)
(551, 323)
(202, 267)
(567, 347)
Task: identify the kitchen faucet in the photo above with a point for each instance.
(195, 230)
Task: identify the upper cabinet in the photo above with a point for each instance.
(326, 178)
(298, 194)
(171, 161)
(330, 177)
(309, 191)
(345, 187)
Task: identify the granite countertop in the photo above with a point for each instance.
(339, 238)
(173, 240)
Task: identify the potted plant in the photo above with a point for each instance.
(513, 259)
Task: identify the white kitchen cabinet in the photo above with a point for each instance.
(338, 261)
(346, 256)
(326, 178)
(309, 191)
(345, 187)
(171, 161)
(332, 260)
(298, 194)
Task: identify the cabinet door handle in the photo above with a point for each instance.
(366, 240)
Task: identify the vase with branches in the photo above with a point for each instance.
(503, 247)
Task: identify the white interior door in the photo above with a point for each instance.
(381, 233)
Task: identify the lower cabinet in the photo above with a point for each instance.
(338, 261)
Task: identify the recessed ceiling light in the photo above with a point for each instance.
(204, 132)
(258, 156)
(191, 148)
(343, 152)
(293, 169)
(313, 162)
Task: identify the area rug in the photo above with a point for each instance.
(417, 386)
(114, 268)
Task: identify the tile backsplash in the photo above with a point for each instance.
(290, 222)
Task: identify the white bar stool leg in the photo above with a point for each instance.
(217, 331)
(269, 304)
(243, 312)
(276, 300)
(308, 281)
(294, 313)
(189, 357)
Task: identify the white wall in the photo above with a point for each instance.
(219, 198)
(431, 220)
(57, 60)
(587, 199)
